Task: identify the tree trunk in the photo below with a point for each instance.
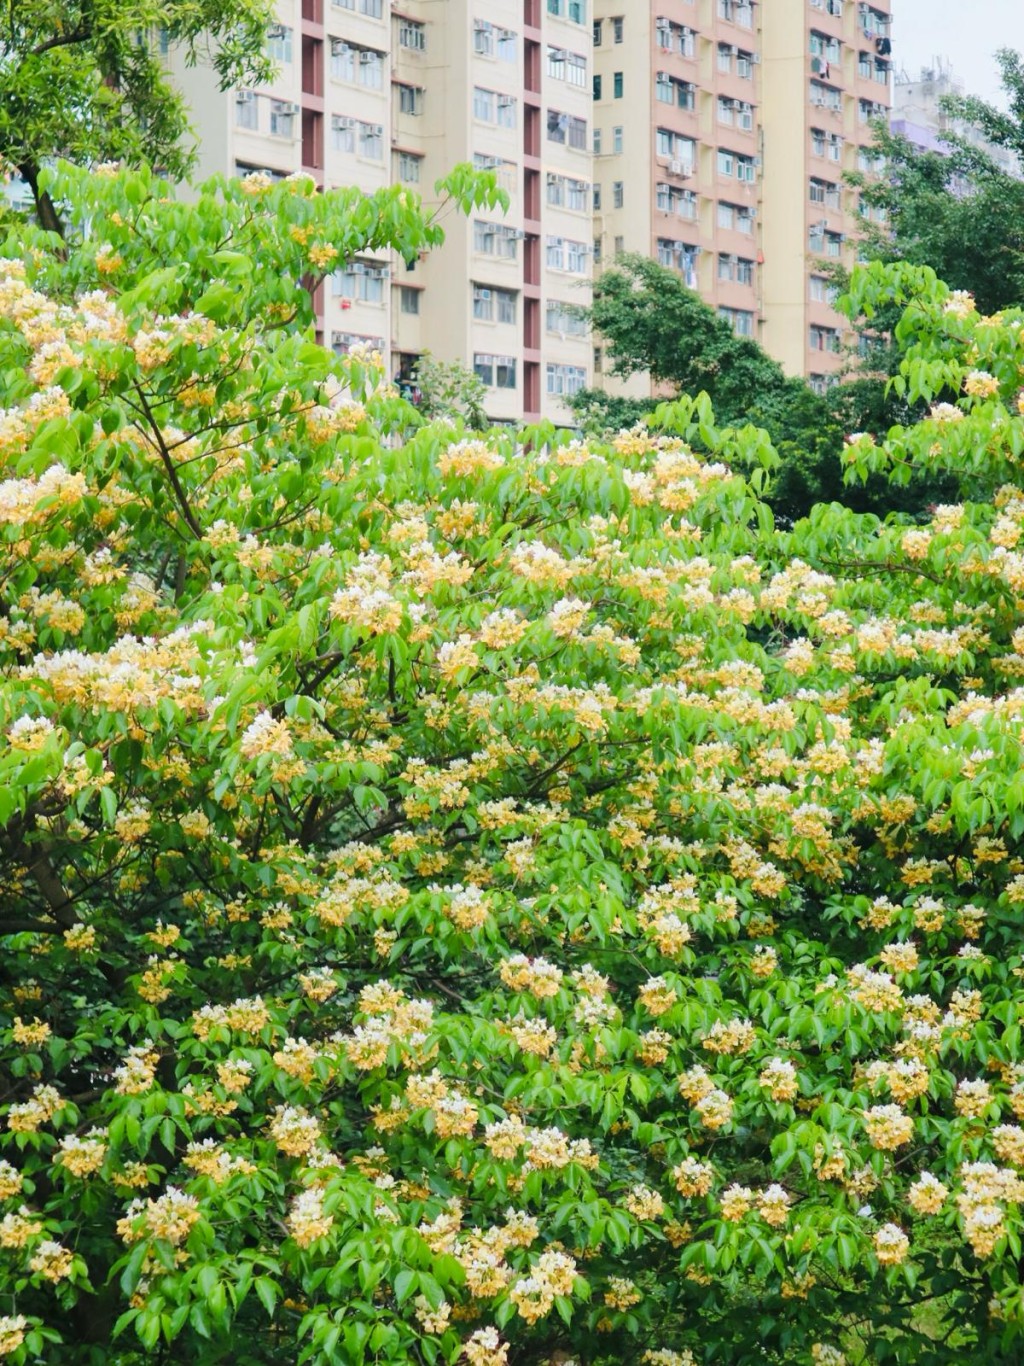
(46, 210)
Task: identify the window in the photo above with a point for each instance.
(673, 37)
(597, 87)
(618, 194)
(247, 110)
(597, 198)
(483, 304)
(343, 342)
(279, 43)
(597, 32)
(681, 151)
(671, 90)
(726, 162)
(725, 55)
(617, 85)
(618, 25)
(373, 9)
(570, 67)
(282, 118)
(567, 130)
(410, 299)
(739, 319)
(495, 239)
(507, 45)
(566, 192)
(343, 133)
(826, 48)
(484, 104)
(825, 96)
(410, 99)
(362, 280)
(564, 254)
(737, 269)
(679, 256)
(371, 141)
(823, 290)
(671, 199)
(573, 10)
(483, 38)
(597, 142)
(362, 65)
(745, 65)
(617, 140)
(823, 338)
(413, 36)
(620, 245)
(737, 11)
(564, 319)
(508, 304)
(497, 372)
(409, 166)
(565, 379)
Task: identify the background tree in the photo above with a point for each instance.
(84, 80)
(956, 211)
(652, 324)
(449, 389)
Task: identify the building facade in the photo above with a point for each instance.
(370, 93)
(722, 131)
(711, 135)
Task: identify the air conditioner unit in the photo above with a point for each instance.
(245, 96)
(365, 58)
(757, 163)
(755, 57)
(276, 31)
(679, 168)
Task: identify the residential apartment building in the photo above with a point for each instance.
(722, 129)
(369, 93)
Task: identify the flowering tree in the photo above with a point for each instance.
(471, 901)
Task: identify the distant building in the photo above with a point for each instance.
(917, 115)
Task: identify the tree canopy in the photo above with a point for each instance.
(85, 79)
(956, 210)
(489, 898)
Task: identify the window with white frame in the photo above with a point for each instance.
(412, 35)
(410, 99)
(678, 148)
(671, 90)
(282, 118)
(681, 256)
(573, 10)
(362, 280)
(673, 199)
(279, 43)
(565, 380)
(373, 9)
(823, 338)
(737, 12)
(497, 372)
(247, 110)
(741, 320)
(495, 239)
(825, 96)
(673, 37)
(409, 299)
(409, 167)
(371, 141)
(360, 65)
(564, 320)
(567, 130)
(570, 67)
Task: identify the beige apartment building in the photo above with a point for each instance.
(369, 93)
(721, 132)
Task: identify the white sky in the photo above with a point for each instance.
(966, 32)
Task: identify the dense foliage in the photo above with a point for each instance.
(471, 898)
(79, 80)
(652, 324)
(956, 210)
